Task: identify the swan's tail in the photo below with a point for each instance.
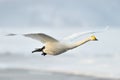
(93, 38)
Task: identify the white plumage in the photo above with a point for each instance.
(53, 46)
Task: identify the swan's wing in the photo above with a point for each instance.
(41, 37)
(38, 36)
(79, 34)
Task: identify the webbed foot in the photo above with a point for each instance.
(43, 54)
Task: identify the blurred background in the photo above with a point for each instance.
(60, 18)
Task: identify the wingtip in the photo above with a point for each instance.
(11, 34)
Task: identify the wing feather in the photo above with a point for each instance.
(41, 37)
(77, 35)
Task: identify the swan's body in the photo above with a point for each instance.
(55, 47)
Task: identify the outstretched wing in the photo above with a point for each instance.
(37, 36)
(41, 37)
(77, 35)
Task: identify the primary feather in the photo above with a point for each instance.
(77, 35)
(41, 37)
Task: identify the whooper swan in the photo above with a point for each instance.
(54, 47)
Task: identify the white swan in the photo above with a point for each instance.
(53, 46)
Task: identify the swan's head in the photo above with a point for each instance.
(93, 38)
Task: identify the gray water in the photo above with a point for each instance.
(34, 67)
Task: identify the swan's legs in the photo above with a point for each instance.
(39, 49)
(43, 54)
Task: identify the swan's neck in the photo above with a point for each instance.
(76, 44)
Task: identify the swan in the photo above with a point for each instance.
(53, 46)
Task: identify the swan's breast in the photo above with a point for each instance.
(55, 48)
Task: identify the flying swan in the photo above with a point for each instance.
(53, 46)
